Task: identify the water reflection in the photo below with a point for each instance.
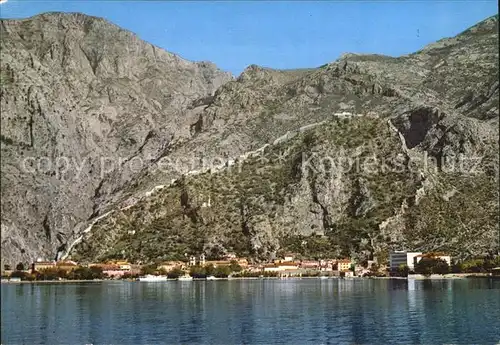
(259, 311)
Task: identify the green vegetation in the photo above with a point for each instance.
(464, 223)
(479, 265)
(403, 270)
(254, 197)
(148, 269)
(6, 140)
(175, 273)
(429, 265)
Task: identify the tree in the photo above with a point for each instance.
(403, 270)
(441, 267)
(175, 273)
(234, 266)
(222, 271)
(50, 274)
(429, 265)
(374, 268)
(209, 270)
(18, 274)
(20, 267)
(86, 273)
(148, 269)
(197, 272)
(6, 267)
(382, 257)
(96, 272)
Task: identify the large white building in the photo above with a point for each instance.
(398, 258)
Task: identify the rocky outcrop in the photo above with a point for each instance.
(81, 101)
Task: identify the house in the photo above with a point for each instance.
(123, 265)
(326, 265)
(343, 265)
(398, 258)
(288, 266)
(288, 257)
(116, 269)
(442, 256)
(111, 270)
(243, 262)
(66, 265)
(254, 268)
(43, 265)
(171, 265)
(218, 263)
(271, 268)
(280, 267)
(192, 261)
(202, 260)
(309, 264)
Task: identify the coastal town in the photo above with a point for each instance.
(400, 264)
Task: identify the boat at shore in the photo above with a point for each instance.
(212, 278)
(185, 278)
(152, 278)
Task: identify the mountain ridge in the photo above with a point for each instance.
(254, 110)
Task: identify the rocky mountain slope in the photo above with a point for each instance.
(254, 167)
(79, 96)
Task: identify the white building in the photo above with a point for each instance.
(202, 260)
(192, 261)
(398, 258)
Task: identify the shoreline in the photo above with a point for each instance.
(411, 277)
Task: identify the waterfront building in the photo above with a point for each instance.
(171, 265)
(42, 265)
(309, 264)
(202, 260)
(111, 270)
(343, 265)
(192, 260)
(398, 258)
(66, 265)
(280, 267)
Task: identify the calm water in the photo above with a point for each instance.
(307, 311)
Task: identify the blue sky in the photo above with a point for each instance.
(278, 34)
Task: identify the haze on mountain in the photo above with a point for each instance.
(81, 88)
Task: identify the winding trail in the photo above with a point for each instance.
(226, 164)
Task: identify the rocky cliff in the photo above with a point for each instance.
(80, 97)
(362, 155)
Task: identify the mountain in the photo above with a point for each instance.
(78, 91)
(357, 157)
